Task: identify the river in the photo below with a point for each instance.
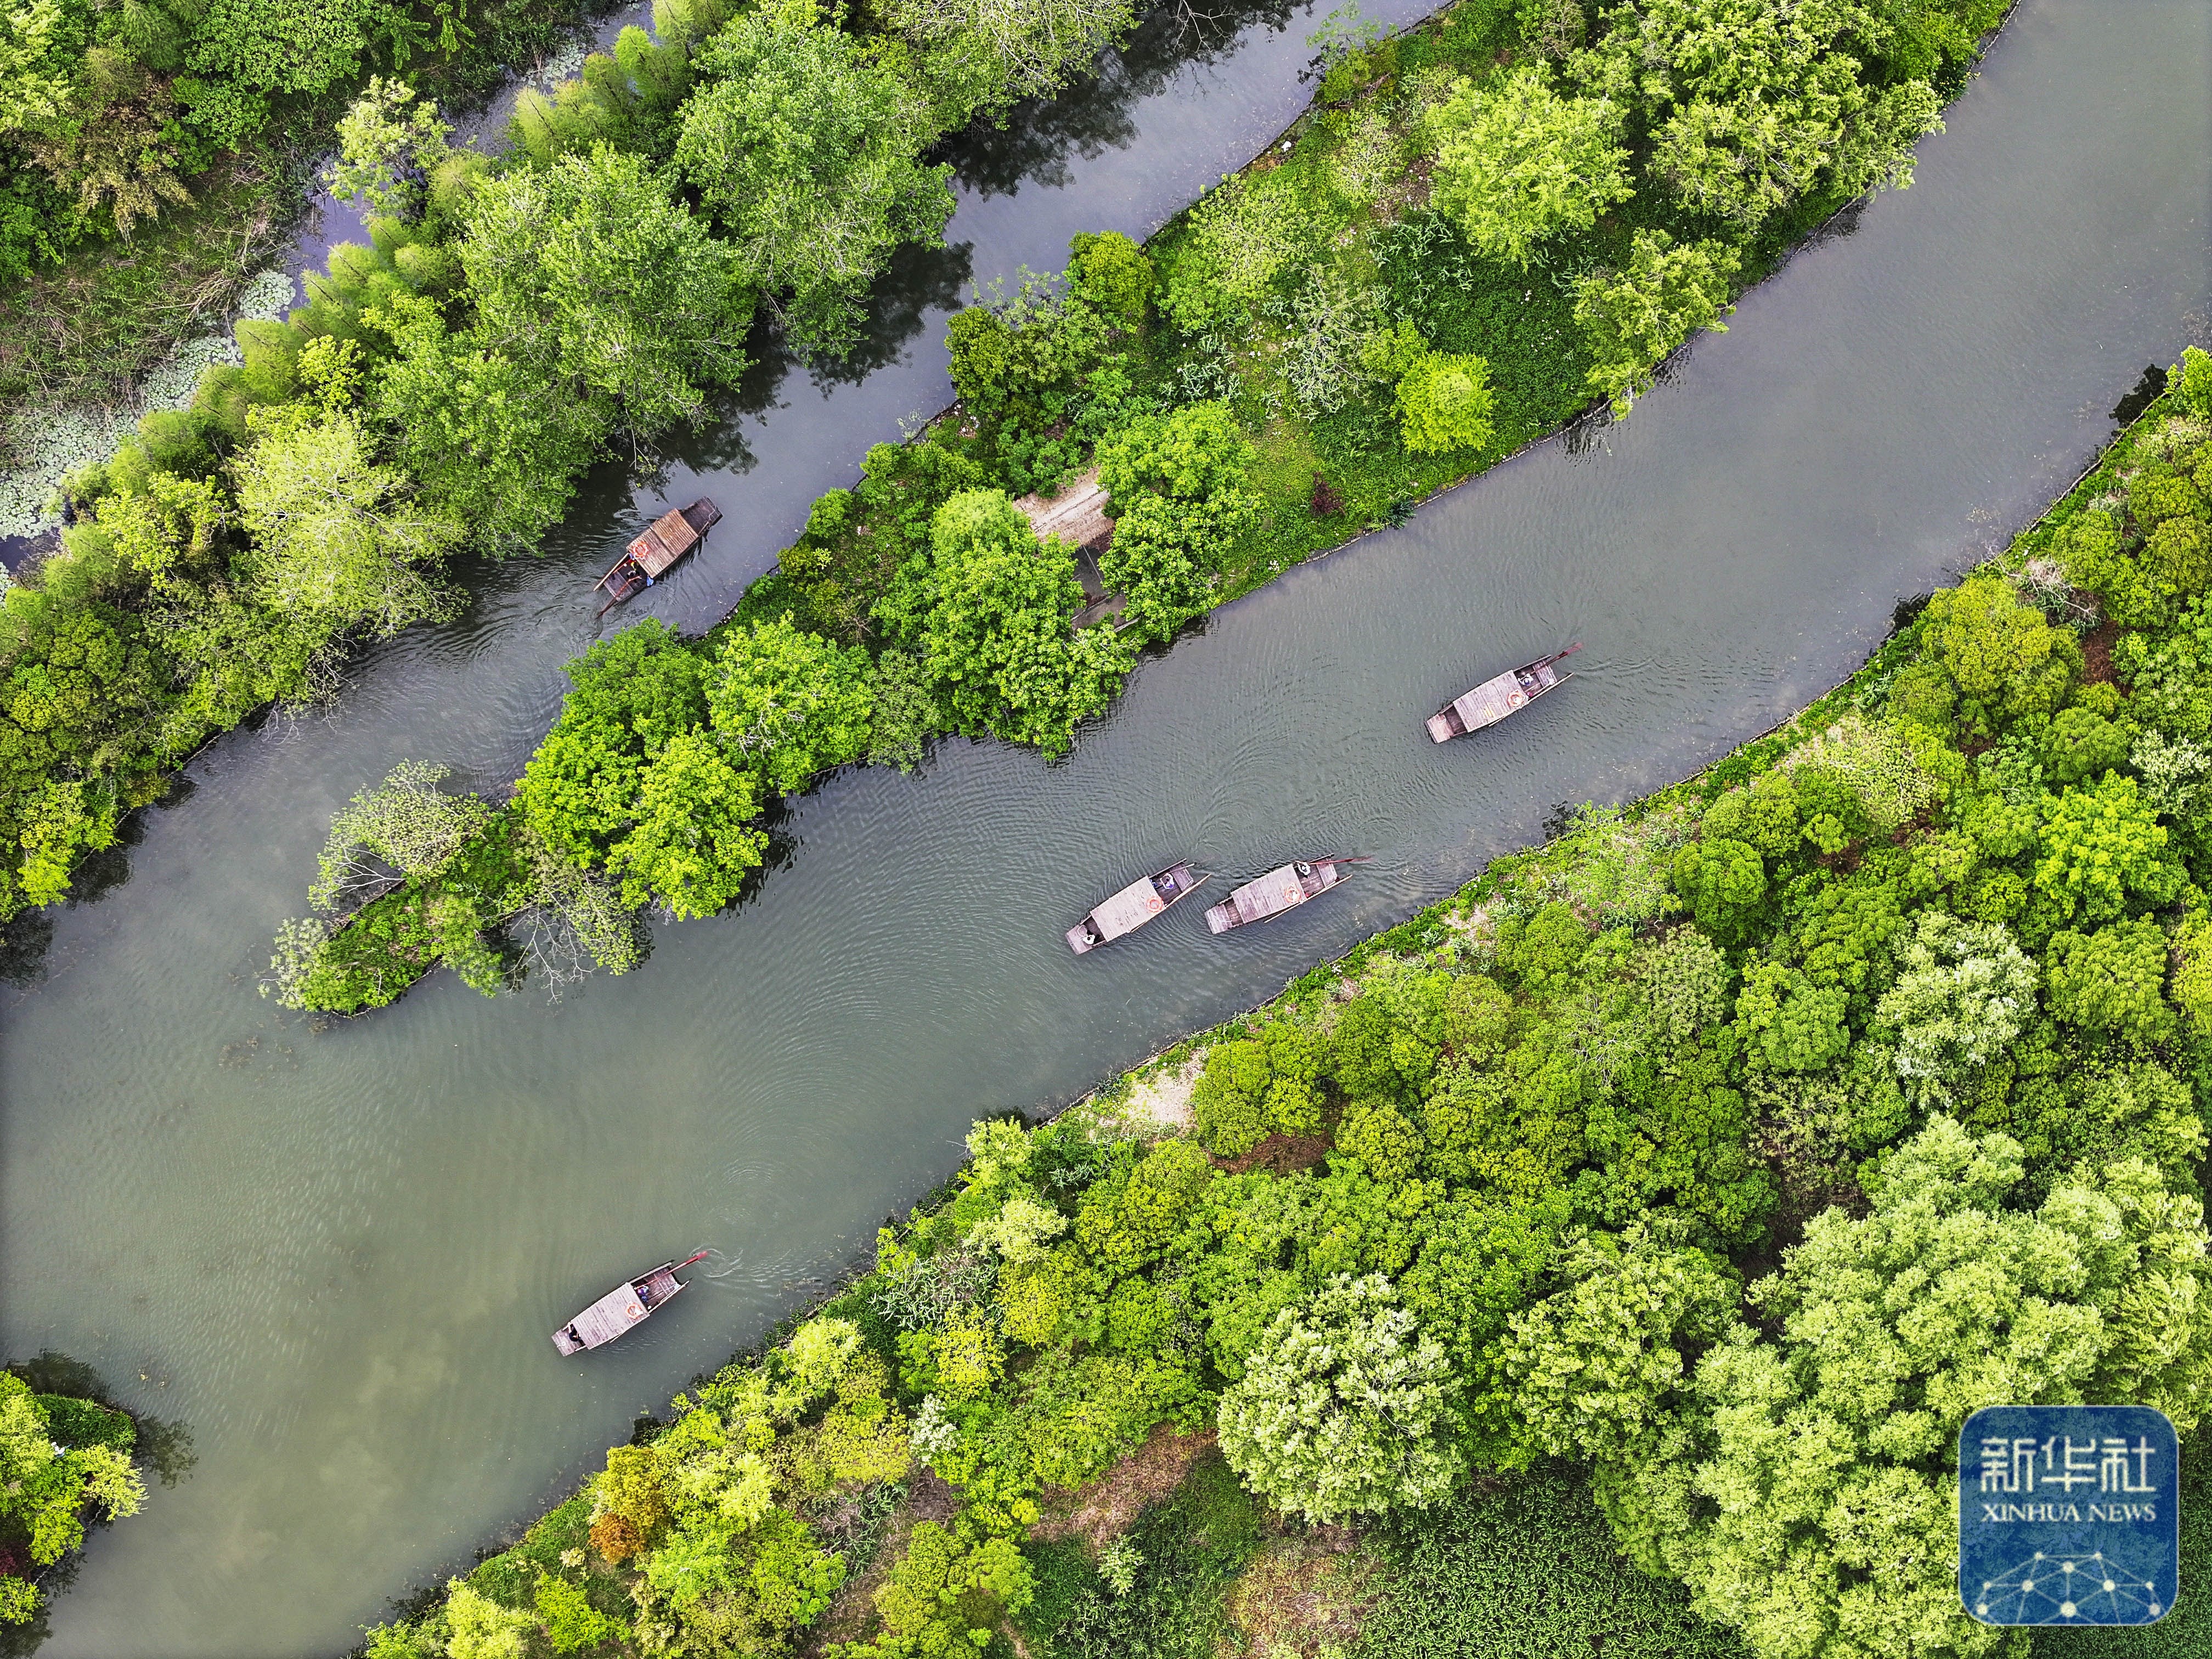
(336, 1252)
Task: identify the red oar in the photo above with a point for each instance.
(689, 1259)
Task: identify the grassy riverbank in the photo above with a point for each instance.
(1476, 228)
(1466, 1288)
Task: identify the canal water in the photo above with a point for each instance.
(336, 1254)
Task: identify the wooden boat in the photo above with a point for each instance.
(623, 1307)
(1268, 897)
(666, 539)
(1133, 906)
(1494, 699)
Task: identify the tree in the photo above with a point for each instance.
(976, 54)
(2004, 657)
(585, 272)
(2192, 386)
(1253, 1088)
(803, 142)
(1178, 487)
(1599, 1371)
(388, 143)
(996, 641)
(1517, 163)
(1445, 404)
(631, 696)
(481, 1628)
(338, 545)
(1343, 1409)
(115, 142)
(48, 1477)
(1829, 1481)
(2101, 845)
(492, 443)
(1789, 1025)
(2082, 745)
(790, 704)
(407, 822)
(1752, 104)
(1633, 320)
(1966, 991)
(2111, 980)
(690, 843)
(1724, 882)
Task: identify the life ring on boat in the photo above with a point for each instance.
(634, 1311)
(1153, 902)
(1514, 699)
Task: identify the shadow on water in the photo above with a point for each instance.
(1040, 137)
(2147, 392)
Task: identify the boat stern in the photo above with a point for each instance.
(1440, 727)
(566, 1341)
(1220, 918)
(1080, 939)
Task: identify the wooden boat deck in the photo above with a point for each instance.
(664, 541)
(1495, 698)
(1268, 897)
(623, 1309)
(1123, 913)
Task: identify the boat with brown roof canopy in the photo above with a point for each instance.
(1494, 699)
(1265, 897)
(666, 540)
(1133, 906)
(623, 1309)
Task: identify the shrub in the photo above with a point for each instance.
(1633, 320)
(1342, 1409)
(1445, 404)
(1966, 991)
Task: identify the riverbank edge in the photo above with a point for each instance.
(763, 595)
(1419, 932)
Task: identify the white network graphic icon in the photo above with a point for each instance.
(2053, 1589)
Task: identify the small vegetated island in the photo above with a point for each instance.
(65, 1460)
(1478, 227)
(1606, 1258)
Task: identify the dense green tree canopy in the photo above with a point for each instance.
(803, 143)
(586, 272)
(1518, 163)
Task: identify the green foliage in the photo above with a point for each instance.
(996, 644)
(804, 144)
(586, 274)
(1114, 274)
(1964, 992)
(1177, 486)
(1527, 1568)
(691, 843)
(1343, 1409)
(1724, 882)
(1884, 1350)
(1787, 1024)
(1445, 404)
(2100, 847)
(1250, 1090)
(1634, 319)
(632, 696)
(790, 704)
(2111, 980)
(1517, 163)
(2192, 387)
(2003, 656)
(56, 1461)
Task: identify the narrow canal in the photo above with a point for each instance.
(336, 1254)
